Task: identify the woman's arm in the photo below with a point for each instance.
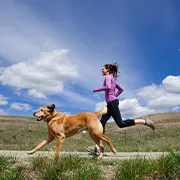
(107, 84)
(120, 89)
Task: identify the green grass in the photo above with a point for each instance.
(4, 162)
(165, 168)
(17, 173)
(67, 167)
(74, 167)
(8, 172)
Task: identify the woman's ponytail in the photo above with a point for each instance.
(113, 69)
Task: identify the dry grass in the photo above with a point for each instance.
(23, 133)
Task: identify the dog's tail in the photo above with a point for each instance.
(102, 112)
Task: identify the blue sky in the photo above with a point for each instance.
(53, 52)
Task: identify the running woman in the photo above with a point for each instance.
(110, 85)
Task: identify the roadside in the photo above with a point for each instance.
(22, 155)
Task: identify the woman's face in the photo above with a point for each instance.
(105, 71)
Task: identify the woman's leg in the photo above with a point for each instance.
(115, 112)
(104, 120)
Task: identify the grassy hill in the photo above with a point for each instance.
(23, 133)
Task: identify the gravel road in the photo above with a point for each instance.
(23, 155)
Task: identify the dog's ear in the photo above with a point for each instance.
(51, 107)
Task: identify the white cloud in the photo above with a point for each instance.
(172, 83)
(165, 101)
(35, 93)
(41, 76)
(2, 112)
(3, 100)
(162, 97)
(151, 92)
(155, 99)
(20, 106)
(130, 108)
(100, 106)
(24, 35)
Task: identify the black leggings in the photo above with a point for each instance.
(113, 110)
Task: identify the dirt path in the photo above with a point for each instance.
(22, 155)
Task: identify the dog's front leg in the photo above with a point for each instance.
(42, 144)
(60, 139)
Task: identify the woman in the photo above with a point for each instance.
(110, 85)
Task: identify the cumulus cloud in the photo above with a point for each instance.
(41, 76)
(164, 96)
(165, 101)
(20, 106)
(2, 112)
(100, 105)
(3, 100)
(35, 93)
(151, 99)
(131, 108)
(24, 35)
(172, 84)
(151, 92)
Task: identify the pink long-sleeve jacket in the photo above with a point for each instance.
(109, 86)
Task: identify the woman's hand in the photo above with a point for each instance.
(95, 89)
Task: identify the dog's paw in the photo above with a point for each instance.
(31, 152)
(114, 151)
(99, 157)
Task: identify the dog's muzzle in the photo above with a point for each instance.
(39, 118)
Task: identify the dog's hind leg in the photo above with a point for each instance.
(108, 141)
(98, 135)
(101, 136)
(99, 143)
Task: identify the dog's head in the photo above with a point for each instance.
(44, 113)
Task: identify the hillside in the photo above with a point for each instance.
(23, 133)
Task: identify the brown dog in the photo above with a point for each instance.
(61, 126)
